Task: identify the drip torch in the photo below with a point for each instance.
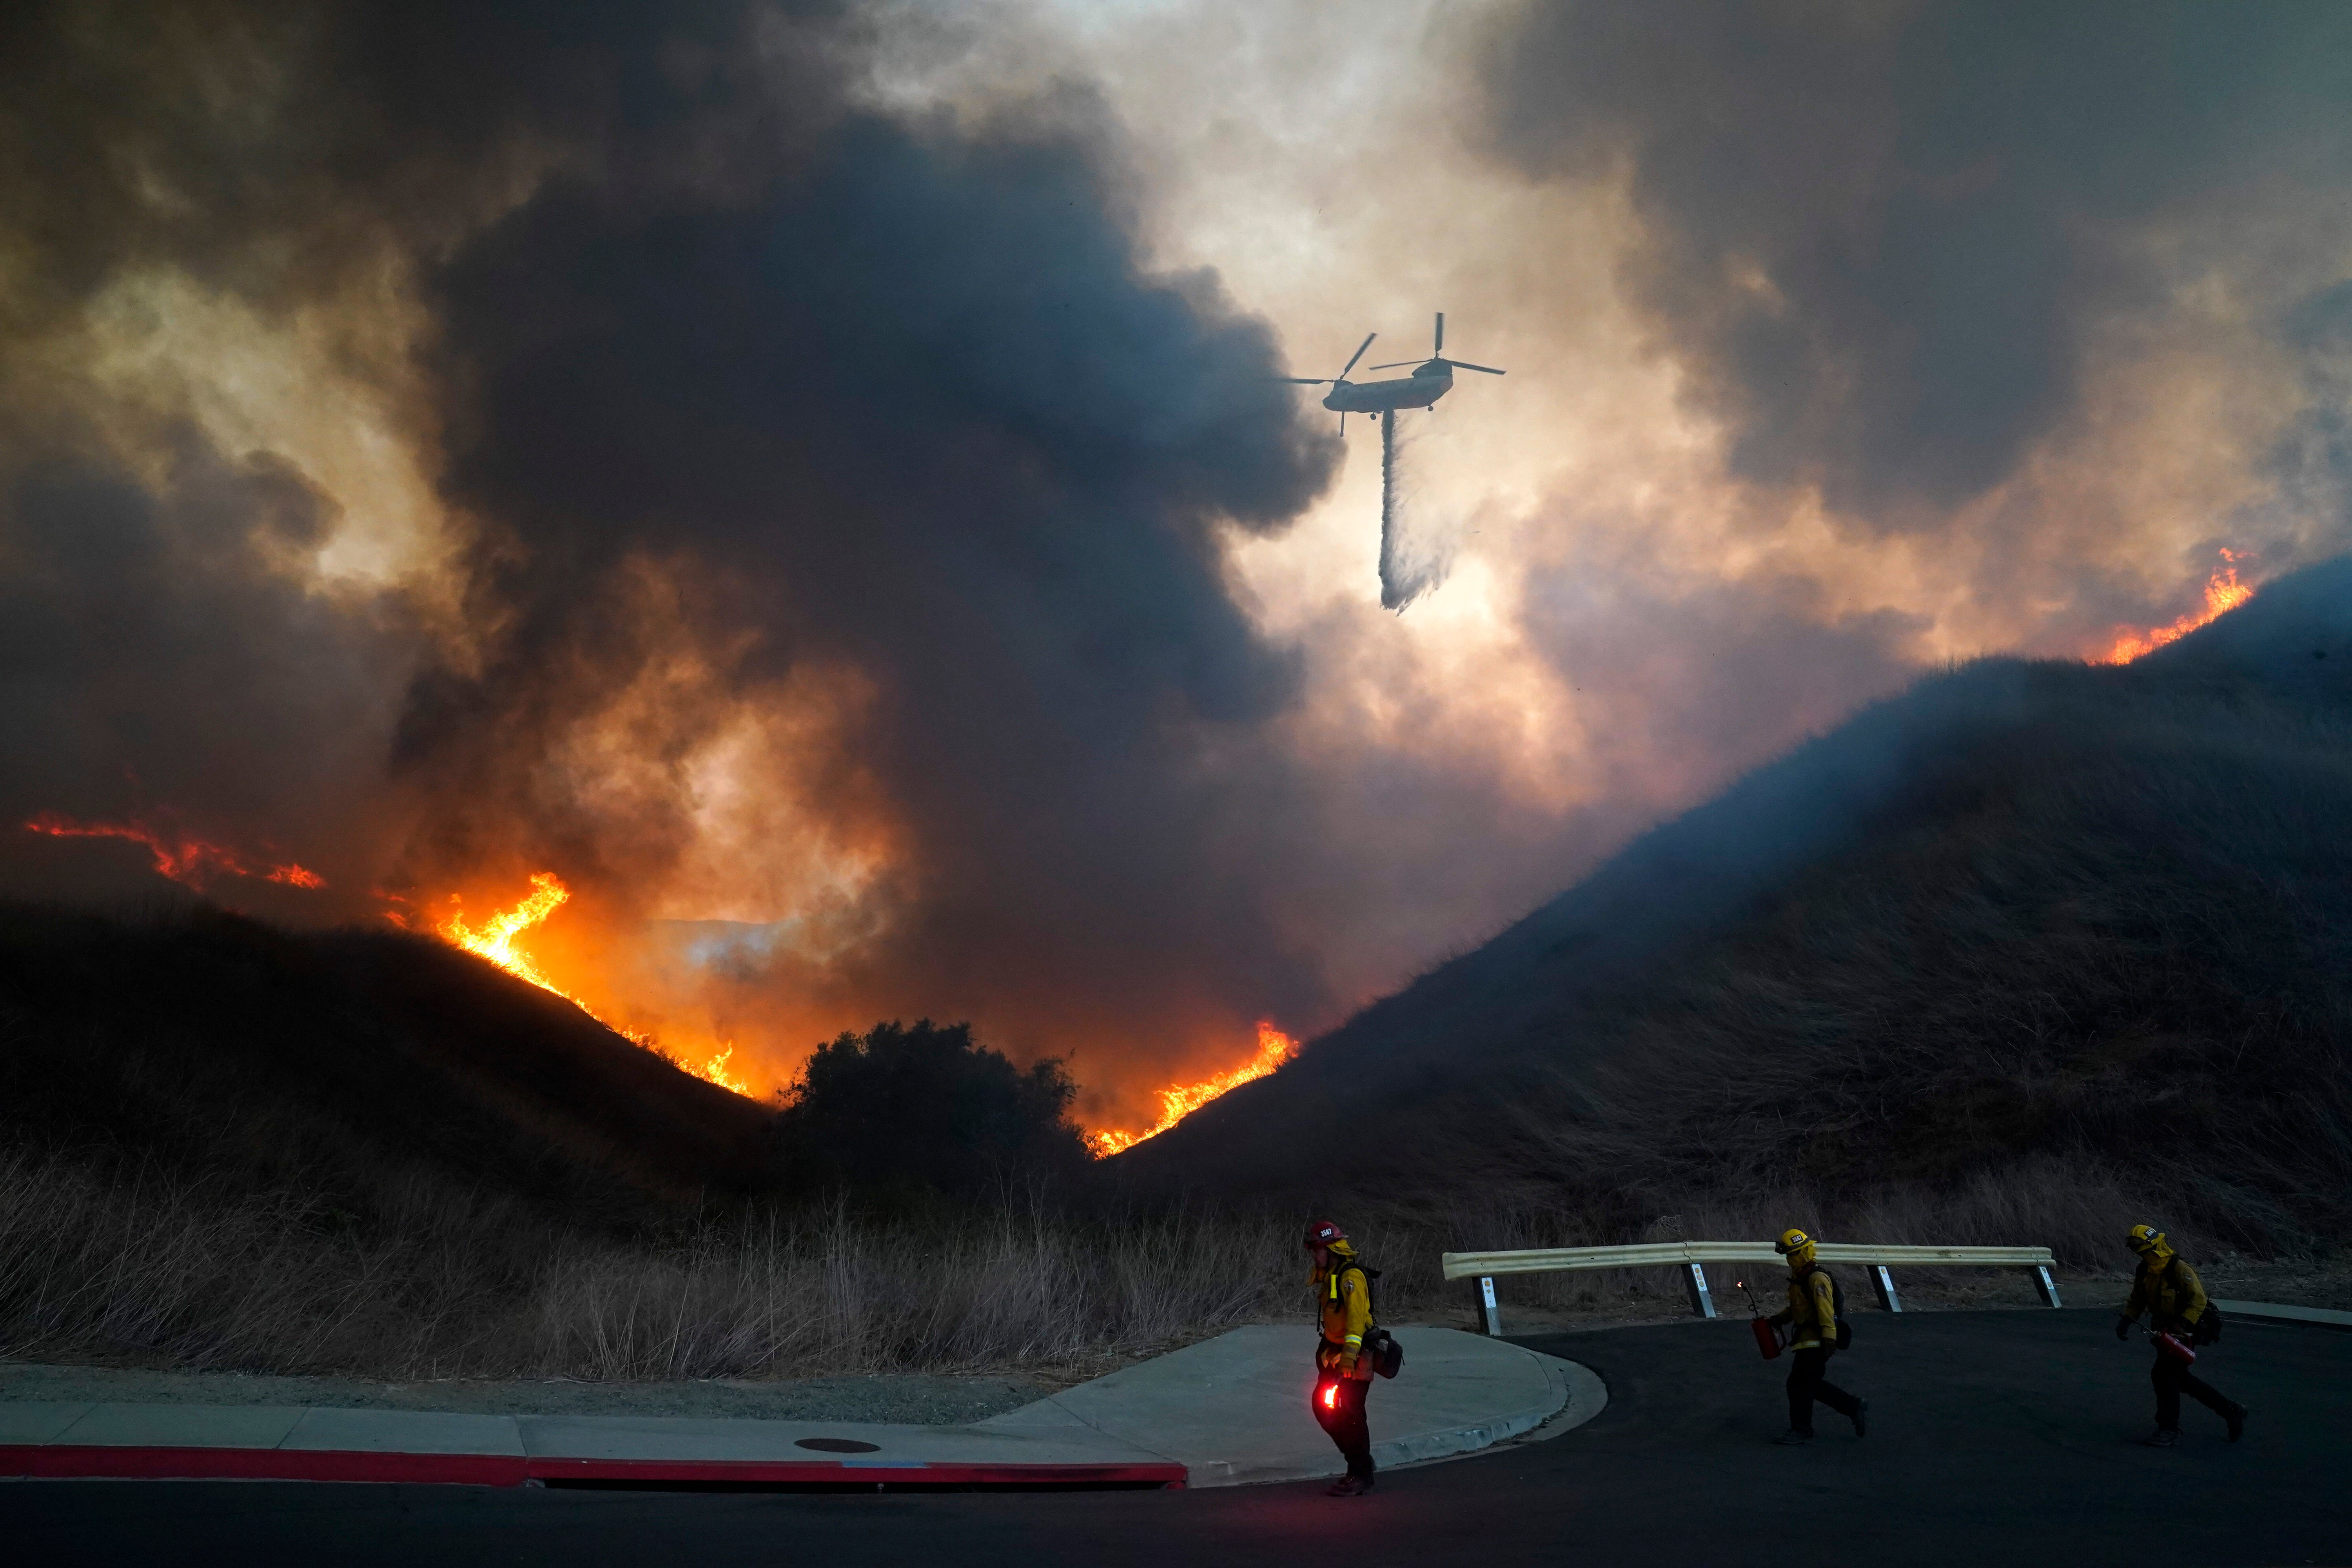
(1767, 1337)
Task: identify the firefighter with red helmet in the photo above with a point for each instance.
(1343, 1371)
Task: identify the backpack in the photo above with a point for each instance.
(1837, 1307)
(2207, 1329)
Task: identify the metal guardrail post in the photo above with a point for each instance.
(1490, 1316)
(1882, 1284)
(2047, 1285)
(1694, 1283)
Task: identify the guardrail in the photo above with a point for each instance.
(1690, 1257)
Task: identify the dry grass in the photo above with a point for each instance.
(159, 1272)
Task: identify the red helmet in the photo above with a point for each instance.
(1323, 1233)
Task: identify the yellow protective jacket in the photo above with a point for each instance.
(1346, 1308)
(2168, 1291)
(1813, 1309)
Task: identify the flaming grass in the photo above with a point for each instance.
(1179, 1101)
(494, 940)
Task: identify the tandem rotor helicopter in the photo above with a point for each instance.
(1431, 379)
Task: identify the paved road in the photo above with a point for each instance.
(1995, 1433)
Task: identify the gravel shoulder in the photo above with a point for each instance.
(908, 1399)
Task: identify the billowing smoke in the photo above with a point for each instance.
(654, 443)
(1893, 247)
(824, 510)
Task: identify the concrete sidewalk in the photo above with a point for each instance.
(1230, 1410)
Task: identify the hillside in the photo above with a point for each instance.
(223, 1144)
(2033, 945)
(205, 1045)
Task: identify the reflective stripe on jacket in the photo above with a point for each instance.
(1346, 1311)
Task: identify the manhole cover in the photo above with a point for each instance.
(838, 1445)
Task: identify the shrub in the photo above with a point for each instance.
(900, 1113)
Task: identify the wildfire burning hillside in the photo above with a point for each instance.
(1178, 1101)
(2223, 592)
(494, 940)
(191, 862)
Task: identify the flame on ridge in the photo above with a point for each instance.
(1178, 1101)
(188, 861)
(494, 940)
(2223, 592)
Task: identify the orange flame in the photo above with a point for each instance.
(188, 861)
(1274, 1048)
(2223, 592)
(494, 940)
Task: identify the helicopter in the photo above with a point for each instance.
(1432, 379)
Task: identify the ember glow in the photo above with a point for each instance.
(1177, 1102)
(2223, 592)
(191, 862)
(494, 940)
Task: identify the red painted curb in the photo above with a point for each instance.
(105, 1462)
(835, 1472)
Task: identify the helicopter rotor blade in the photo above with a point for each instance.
(1394, 362)
(1357, 355)
(1439, 351)
(1465, 364)
(1307, 380)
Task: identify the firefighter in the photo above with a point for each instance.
(1343, 1372)
(1814, 1319)
(2169, 1293)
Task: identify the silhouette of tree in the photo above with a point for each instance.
(901, 1112)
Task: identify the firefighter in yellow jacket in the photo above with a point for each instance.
(1811, 1321)
(1343, 1371)
(2169, 1293)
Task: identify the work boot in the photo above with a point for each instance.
(2162, 1437)
(1792, 1438)
(1351, 1486)
(2237, 1420)
(1862, 1417)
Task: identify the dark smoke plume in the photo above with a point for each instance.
(1884, 240)
(740, 391)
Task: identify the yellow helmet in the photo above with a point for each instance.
(2144, 1238)
(1795, 1245)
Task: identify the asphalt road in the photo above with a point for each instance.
(1995, 1437)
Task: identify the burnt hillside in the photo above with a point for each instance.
(2030, 934)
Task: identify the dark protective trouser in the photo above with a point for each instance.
(2173, 1379)
(1806, 1385)
(1339, 1411)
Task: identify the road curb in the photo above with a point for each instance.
(1577, 1395)
(2274, 1313)
(177, 1462)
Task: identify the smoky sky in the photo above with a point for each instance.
(1883, 239)
(157, 669)
(815, 476)
(885, 397)
(911, 406)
